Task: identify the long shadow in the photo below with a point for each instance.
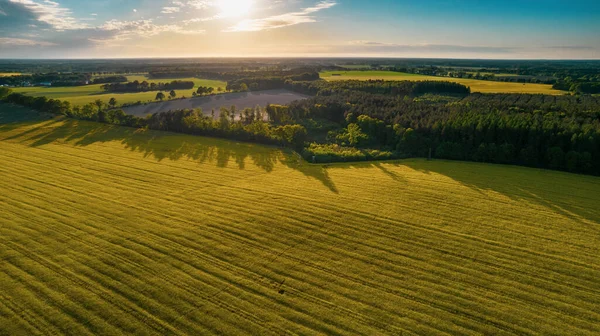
(551, 189)
(164, 145)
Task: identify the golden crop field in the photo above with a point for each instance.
(111, 230)
(476, 85)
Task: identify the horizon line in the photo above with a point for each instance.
(297, 57)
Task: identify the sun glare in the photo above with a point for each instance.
(234, 8)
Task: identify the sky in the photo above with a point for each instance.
(481, 29)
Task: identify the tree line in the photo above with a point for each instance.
(109, 79)
(137, 86)
(396, 88)
(246, 125)
(56, 79)
(578, 86)
(268, 81)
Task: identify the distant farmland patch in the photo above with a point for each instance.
(476, 85)
(81, 95)
(240, 100)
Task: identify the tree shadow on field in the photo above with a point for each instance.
(163, 145)
(573, 196)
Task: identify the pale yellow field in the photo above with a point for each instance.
(8, 74)
(475, 84)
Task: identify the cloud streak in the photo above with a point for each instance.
(7, 41)
(282, 20)
(425, 47)
(170, 10)
(125, 30)
(52, 13)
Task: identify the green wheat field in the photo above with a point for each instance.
(81, 95)
(111, 230)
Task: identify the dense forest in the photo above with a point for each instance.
(558, 132)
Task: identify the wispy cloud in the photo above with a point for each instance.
(198, 4)
(52, 13)
(393, 47)
(210, 18)
(23, 42)
(571, 47)
(282, 20)
(125, 30)
(170, 10)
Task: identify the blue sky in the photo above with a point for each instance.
(550, 29)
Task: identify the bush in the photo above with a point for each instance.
(321, 153)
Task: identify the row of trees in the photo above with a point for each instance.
(248, 125)
(137, 86)
(268, 81)
(109, 79)
(56, 79)
(396, 88)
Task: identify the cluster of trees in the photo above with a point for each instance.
(268, 81)
(578, 86)
(161, 96)
(202, 90)
(255, 84)
(324, 153)
(109, 79)
(56, 79)
(137, 86)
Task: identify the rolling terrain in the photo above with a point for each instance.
(113, 230)
(476, 85)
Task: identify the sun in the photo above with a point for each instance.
(234, 8)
